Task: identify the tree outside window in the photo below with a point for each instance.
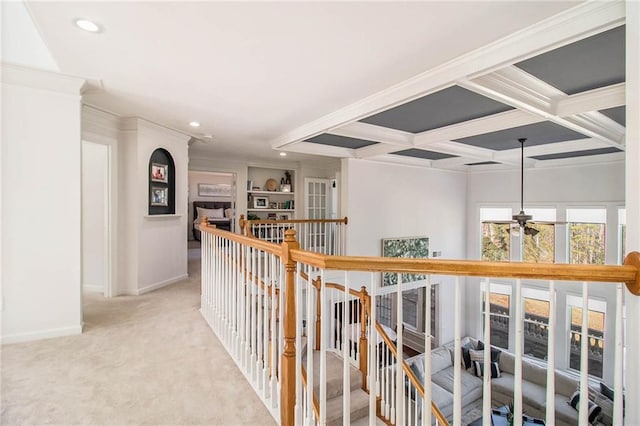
(540, 248)
(496, 242)
(587, 236)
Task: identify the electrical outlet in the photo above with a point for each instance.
(436, 254)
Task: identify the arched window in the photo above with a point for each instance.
(162, 183)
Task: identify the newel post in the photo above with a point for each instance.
(288, 384)
(363, 345)
(242, 223)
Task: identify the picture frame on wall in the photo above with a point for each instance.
(159, 172)
(159, 196)
(260, 202)
(214, 190)
(407, 247)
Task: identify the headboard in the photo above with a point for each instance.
(209, 205)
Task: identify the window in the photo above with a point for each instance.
(540, 248)
(536, 323)
(500, 301)
(622, 229)
(596, 320)
(587, 235)
(496, 240)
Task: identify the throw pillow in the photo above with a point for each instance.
(609, 393)
(210, 213)
(228, 213)
(607, 409)
(477, 360)
(593, 411)
(466, 359)
(495, 352)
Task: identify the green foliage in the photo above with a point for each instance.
(540, 248)
(495, 242)
(587, 243)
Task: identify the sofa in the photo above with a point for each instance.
(534, 379)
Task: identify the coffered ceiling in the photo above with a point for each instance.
(565, 94)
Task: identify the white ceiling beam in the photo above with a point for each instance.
(574, 24)
(515, 87)
(491, 123)
(588, 159)
(462, 150)
(374, 133)
(320, 149)
(551, 148)
(592, 100)
(403, 160)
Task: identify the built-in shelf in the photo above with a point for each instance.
(162, 216)
(270, 210)
(270, 193)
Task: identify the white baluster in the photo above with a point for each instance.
(426, 400)
(299, 385)
(346, 383)
(583, 412)
(274, 305)
(372, 380)
(311, 333)
(399, 419)
(551, 356)
(457, 373)
(517, 373)
(618, 360)
(486, 379)
(323, 357)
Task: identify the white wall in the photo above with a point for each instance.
(386, 201)
(156, 246)
(196, 178)
(95, 216)
(41, 258)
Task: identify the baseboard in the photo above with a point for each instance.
(161, 284)
(42, 334)
(93, 288)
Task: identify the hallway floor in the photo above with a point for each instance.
(149, 359)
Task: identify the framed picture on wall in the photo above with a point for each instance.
(159, 196)
(214, 190)
(411, 247)
(159, 172)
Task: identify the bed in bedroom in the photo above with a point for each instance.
(219, 213)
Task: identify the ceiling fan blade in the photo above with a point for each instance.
(500, 222)
(530, 231)
(543, 222)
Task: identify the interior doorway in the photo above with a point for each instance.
(96, 218)
(211, 194)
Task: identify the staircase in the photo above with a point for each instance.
(359, 399)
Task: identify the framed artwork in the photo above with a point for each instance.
(409, 247)
(260, 202)
(159, 172)
(284, 216)
(159, 196)
(214, 190)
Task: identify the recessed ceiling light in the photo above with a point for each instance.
(87, 25)
(194, 124)
(283, 154)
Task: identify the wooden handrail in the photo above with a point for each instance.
(316, 404)
(272, 221)
(251, 242)
(628, 273)
(412, 377)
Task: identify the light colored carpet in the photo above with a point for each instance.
(150, 359)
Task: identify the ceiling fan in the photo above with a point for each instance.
(522, 219)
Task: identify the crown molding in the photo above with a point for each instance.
(19, 75)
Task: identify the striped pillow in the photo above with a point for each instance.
(594, 409)
(477, 362)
